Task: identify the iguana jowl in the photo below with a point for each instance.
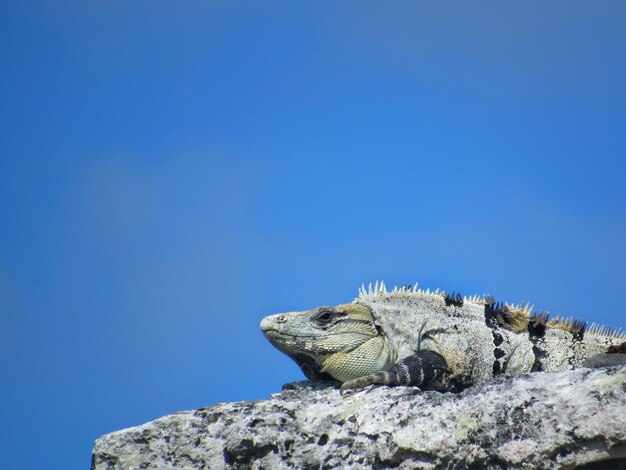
(434, 340)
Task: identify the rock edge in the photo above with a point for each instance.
(542, 420)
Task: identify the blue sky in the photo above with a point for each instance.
(171, 173)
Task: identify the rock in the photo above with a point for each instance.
(541, 420)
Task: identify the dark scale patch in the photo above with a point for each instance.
(454, 299)
(578, 333)
(498, 366)
(578, 330)
(618, 349)
(493, 312)
(506, 316)
(536, 332)
(498, 353)
(538, 320)
(502, 313)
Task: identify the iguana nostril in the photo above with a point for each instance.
(281, 318)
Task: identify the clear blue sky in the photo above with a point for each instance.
(172, 172)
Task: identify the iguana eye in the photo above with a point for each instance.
(323, 317)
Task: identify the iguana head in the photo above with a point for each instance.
(341, 342)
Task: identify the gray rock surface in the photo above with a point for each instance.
(541, 420)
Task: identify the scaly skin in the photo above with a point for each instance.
(434, 340)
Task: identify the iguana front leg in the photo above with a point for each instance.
(419, 369)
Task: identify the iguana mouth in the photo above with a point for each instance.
(280, 340)
(287, 344)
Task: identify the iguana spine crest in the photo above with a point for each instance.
(520, 314)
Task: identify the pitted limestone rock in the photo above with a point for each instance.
(541, 420)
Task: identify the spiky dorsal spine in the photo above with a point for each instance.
(515, 318)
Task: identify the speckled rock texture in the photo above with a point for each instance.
(573, 419)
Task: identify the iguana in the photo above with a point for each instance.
(435, 340)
